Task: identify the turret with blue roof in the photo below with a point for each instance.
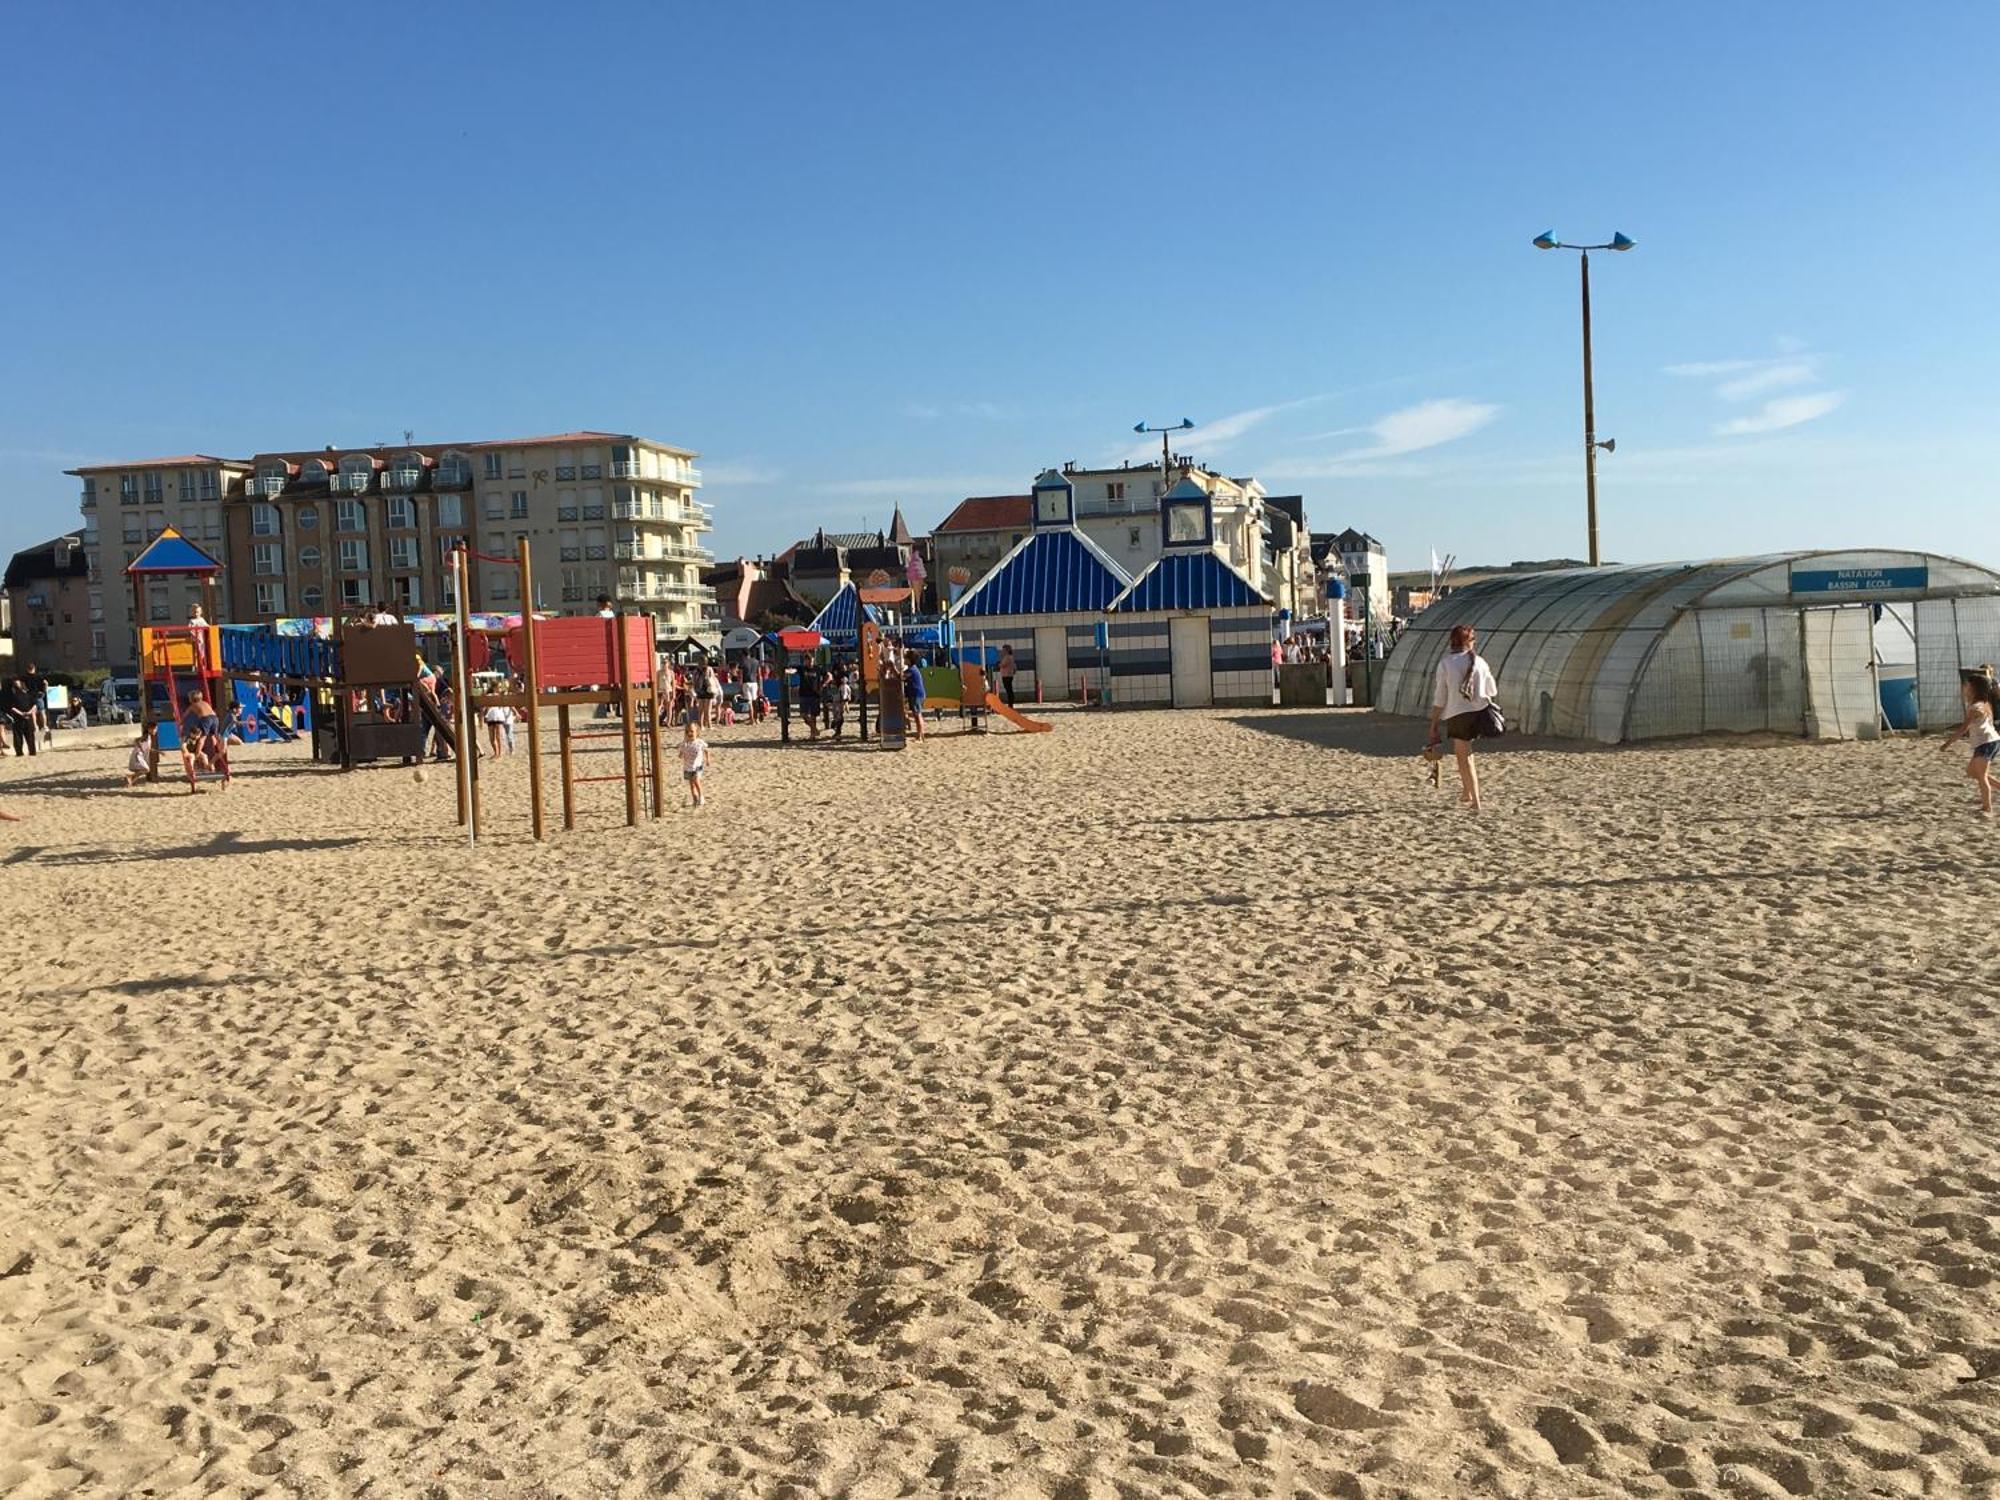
(1190, 630)
(1046, 597)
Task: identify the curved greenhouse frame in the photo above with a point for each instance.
(1794, 643)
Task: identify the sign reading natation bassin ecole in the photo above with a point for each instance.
(1911, 580)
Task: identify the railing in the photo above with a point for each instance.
(593, 512)
(565, 471)
(625, 551)
(566, 513)
(403, 479)
(273, 485)
(593, 471)
(447, 478)
(625, 468)
(89, 501)
(570, 554)
(596, 554)
(353, 483)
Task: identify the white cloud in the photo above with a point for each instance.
(1774, 375)
(1785, 411)
(1207, 438)
(1411, 429)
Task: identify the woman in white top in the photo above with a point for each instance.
(1463, 704)
(1981, 696)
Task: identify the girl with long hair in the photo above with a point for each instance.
(1980, 693)
(1462, 707)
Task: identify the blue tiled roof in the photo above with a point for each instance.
(840, 620)
(1051, 573)
(1189, 580)
(171, 552)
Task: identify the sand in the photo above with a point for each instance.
(1174, 1104)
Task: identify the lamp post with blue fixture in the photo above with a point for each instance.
(1547, 240)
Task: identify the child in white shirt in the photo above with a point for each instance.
(694, 761)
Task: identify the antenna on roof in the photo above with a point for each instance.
(409, 436)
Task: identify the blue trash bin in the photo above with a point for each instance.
(1897, 687)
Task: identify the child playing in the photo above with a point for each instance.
(1981, 695)
(139, 763)
(694, 761)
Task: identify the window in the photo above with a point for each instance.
(453, 469)
(309, 557)
(270, 598)
(96, 605)
(493, 468)
(592, 471)
(267, 561)
(496, 507)
(451, 510)
(211, 523)
(1115, 490)
(208, 491)
(308, 517)
(89, 491)
(128, 489)
(158, 610)
(517, 468)
(312, 598)
(402, 552)
(409, 594)
(156, 522)
(97, 645)
(353, 591)
(153, 489)
(350, 515)
(571, 549)
(187, 484)
(353, 555)
(446, 545)
(402, 515)
(517, 505)
(565, 471)
(450, 592)
(1131, 536)
(263, 519)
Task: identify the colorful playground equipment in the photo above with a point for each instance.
(566, 663)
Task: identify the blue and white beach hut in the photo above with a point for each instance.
(1191, 630)
(1045, 598)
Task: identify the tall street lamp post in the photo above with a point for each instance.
(1547, 240)
(1185, 424)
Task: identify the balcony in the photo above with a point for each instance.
(592, 471)
(570, 554)
(593, 512)
(402, 479)
(450, 477)
(566, 512)
(596, 554)
(625, 469)
(89, 501)
(268, 486)
(353, 484)
(625, 551)
(565, 472)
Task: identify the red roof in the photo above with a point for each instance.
(178, 461)
(991, 513)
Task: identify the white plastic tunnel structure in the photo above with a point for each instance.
(1801, 643)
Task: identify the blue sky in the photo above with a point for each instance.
(872, 254)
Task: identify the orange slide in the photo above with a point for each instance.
(996, 704)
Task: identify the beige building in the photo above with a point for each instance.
(46, 605)
(317, 531)
(980, 530)
(126, 505)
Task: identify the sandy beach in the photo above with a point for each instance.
(1172, 1105)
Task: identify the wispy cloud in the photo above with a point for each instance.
(1747, 379)
(1410, 429)
(1214, 437)
(933, 411)
(1784, 411)
(726, 475)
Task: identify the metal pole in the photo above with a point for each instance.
(531, 662)
(1589, 418)
(462, 693)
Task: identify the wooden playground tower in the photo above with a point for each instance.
(564, 663)
(177, 660)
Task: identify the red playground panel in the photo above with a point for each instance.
(583, 652)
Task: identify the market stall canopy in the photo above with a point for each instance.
(800, 640)
(742, 638)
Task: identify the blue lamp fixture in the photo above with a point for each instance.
(1547, 240)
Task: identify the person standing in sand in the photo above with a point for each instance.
(1463, 704)
(694, 762)
(1981, 696)
(1007, 674)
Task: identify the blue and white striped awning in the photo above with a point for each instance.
(840, 621)
(1057, 572)
(1188, 581)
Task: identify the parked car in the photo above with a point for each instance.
(118, 701)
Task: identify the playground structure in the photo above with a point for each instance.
(177, 663)
(564, 663)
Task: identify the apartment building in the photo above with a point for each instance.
(318, 531)
(980, 530)
(325, 532)
(604, 513)
(46, 602)
(126, 505)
